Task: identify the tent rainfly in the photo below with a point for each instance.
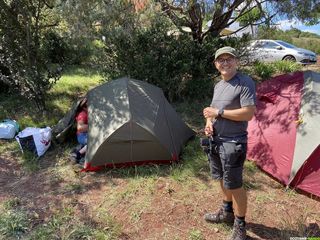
(284, 135)
(132, 123)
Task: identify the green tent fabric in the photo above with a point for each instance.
(65, 128)
(132, 123)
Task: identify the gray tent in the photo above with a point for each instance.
(132, 123)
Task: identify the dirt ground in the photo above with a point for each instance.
(169, 209)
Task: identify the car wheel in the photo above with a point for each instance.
(289, 58)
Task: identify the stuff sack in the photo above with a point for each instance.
(36, 140)
(8, 129)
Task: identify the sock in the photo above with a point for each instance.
(241, 221)
(227, 206)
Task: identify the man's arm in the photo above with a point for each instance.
(240, 114)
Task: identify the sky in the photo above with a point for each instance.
(287, 24)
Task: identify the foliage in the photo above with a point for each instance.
(192, 14)
(266, 70)
(223, 13)
(21, 26)
(306, 11)
(13, 223)
(55, 48)
(286, 66)
(263, 70)
(65, 224)
(252, 16)
(176, 63)
(267, 32)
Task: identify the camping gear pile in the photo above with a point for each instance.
(35, 140)
(284, 136)
(8, 129)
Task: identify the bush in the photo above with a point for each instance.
(177, 64)
(4, 78)
(31, 74)
(54, 48)
(80, 51)
(263, 70)
(71, 51)
(174, 62)
(286, 66)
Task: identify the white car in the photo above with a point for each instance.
(276, 50)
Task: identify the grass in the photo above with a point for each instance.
(65, 224)
(195, 234)
(14, 221)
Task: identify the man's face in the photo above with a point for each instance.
(226, 65)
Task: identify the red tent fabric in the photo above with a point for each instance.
(282, 138)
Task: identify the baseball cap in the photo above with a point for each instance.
(225, 50)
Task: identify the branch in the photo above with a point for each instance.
(220, 20)
(254, 24)
(177, 21)
(49, 25)
(243, 12)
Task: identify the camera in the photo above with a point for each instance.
(207, 144)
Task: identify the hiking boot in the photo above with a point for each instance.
(221, 216)
(239, 231)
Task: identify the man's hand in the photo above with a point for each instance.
(208, 129)
(210, 112)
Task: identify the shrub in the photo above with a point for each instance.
(286, 66)
(263, 70)
(80, 51)
(174, 62)
(54, 48)
(177, 64)
(31, 75)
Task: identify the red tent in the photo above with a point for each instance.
(284, 135)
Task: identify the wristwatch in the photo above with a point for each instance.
(220, 112)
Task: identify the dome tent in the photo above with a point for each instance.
(132, 123)
(283, 136)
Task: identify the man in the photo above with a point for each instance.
(232, 106)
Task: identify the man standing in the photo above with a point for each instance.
(232, 106)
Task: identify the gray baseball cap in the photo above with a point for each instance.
(225, 50)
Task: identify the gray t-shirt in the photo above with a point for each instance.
(233, 94)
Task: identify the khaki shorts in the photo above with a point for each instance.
(226, 163)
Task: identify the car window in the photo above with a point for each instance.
(285, 44)
(270, 45)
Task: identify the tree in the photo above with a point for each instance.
(305, 11)
(191, 13)
(21, 27)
